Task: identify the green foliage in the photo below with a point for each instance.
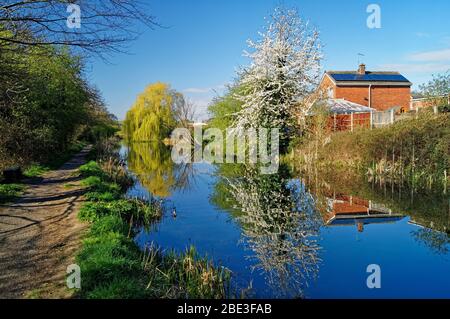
(91, 168)
(113, 267)
(97, 184)
(437, 87)
(151, 118)
(112, 264)
(223, 109)
(46, 105)
(413, 150)
(9, 192)
(35, 170)
(101, 197)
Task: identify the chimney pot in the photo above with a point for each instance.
(362, 69)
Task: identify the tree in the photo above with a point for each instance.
(224, 107)
(284, 70)
(105, 26)
(437, 91)
(152, 117)
(45, 104)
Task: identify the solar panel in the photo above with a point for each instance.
(369, 77)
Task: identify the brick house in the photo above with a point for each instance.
(379, 90)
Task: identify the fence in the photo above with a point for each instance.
(352, 121)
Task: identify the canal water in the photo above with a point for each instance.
(287, 235)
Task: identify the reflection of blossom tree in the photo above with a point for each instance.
(279, 225)
(438, 242)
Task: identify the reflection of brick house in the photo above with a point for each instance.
(379, 90)
(346, 210)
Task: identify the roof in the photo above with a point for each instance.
(341, 106)
(343, 78)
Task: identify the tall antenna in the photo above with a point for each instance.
(360, 55)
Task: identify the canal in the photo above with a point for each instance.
(291, 235)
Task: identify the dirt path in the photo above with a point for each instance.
(40, 234)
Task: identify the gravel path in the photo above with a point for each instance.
(40, 234)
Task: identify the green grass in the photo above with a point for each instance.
(113, 267)
(415, 151)
(36, 170)
(9, 192)
(91, 169)
(112, 264)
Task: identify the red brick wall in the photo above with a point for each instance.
(384, 98)
(355, 94)
(325, 85)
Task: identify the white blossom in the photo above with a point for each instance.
(284, 69)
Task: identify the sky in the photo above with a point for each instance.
(200, 46)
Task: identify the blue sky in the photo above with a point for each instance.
(201, 46)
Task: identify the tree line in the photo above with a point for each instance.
(46, 102)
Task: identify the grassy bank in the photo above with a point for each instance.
(412, 151)
(113, 266)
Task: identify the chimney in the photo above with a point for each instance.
(362, 69)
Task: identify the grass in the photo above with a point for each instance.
(9, 192)
(414, 151)
(113, 266)
(37, 170)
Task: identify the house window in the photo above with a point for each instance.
(330, 93)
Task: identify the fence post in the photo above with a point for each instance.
(392, 116)
(435, 109)
(351, 117)
(371, 119)
(335, 122)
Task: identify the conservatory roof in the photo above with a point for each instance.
(341, 106)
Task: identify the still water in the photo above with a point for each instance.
(291, 236)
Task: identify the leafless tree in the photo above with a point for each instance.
(106, 26)
(184, 110)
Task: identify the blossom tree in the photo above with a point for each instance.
(284, 70)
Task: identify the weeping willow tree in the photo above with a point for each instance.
(152, 117)
(151, 162)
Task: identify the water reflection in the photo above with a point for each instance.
(284, 226)
(279, 224)
(354, 200)
(153, 166)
